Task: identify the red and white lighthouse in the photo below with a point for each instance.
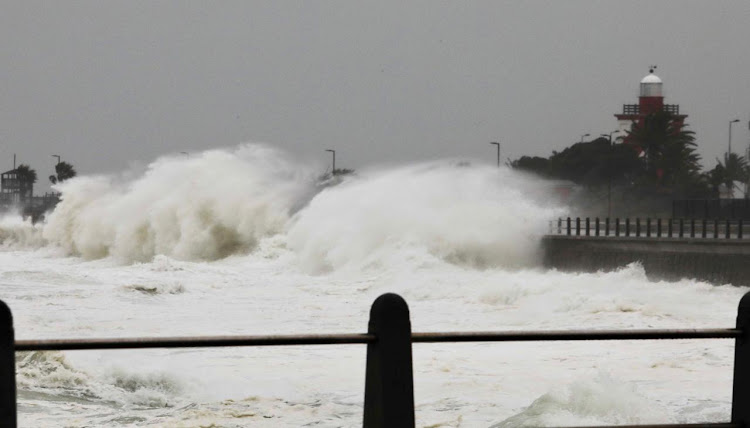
(651, 100)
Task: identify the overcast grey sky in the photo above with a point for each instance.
(106, 84)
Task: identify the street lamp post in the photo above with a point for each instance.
(498, 152)
(584, 135)
(729, 146)
(609, 174)
(333, 152)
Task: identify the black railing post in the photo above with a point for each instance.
(588, 226)
(389, 382)
(648, 227)
(741, 383)
(716, 228)
(7, 368)
(658, 227)
(682, 228)
(578, 226)
(606, 227)
(617, 226)
(726, 236)
(627, 226)
(703, 228)
(670, 226)
(637, 226)
(559, 226)
(596, 226)
(568, 224)
(739, 229)
(692, 228)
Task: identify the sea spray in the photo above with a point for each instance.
(19, 233)
(477, 216)
(205, 207)
(223, 202)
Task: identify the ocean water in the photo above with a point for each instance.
(243, 241)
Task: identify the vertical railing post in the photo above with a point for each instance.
(741, 383)
(617, 226)
(389, 382)
(726, 236)
(578, 226)
(638, 227)
(627, 227)
(7, 368)
(669, 227)
(568, 224)
(739, 229)
(716, 228)
(658, 227)
(692, 228)
(703, 228)
(559, 226)
(682, 227)
(648, 227)
(606, 227)
(596, 226)
(588, 226)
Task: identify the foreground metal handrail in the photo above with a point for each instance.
(699, 425)
(191, 342)
(348, 339)
(389, 389)
(575, 335)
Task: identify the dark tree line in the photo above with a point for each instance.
(657, 158)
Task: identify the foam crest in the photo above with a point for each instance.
(50, 370)
(597, 401)
(204, 207)
(477, 216)
(16, 232)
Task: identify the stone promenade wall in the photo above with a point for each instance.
(716, 261)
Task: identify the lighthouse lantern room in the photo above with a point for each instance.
(651, 100)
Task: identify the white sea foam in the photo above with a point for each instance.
(205, 207)
(599, 400)
(15, 232)
(224, 202)
(478, 216)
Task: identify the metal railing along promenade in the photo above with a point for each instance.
(389, 384)
(650, 228)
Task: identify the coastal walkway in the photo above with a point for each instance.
(716, 251)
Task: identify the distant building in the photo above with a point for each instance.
(15, 187)
(651, 100)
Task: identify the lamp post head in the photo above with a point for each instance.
(734, 121)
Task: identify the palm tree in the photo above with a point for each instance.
(26, 179)
(735, 168)
(64, 171)
(669, 148)
(25, 173)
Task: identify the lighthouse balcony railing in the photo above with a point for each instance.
(672, 108)
(635, 109)
(631, 109)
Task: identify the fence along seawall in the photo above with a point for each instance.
(716, 251)
(389, 381)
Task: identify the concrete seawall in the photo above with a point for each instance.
(713, 260)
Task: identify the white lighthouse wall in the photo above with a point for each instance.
(623, 126)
